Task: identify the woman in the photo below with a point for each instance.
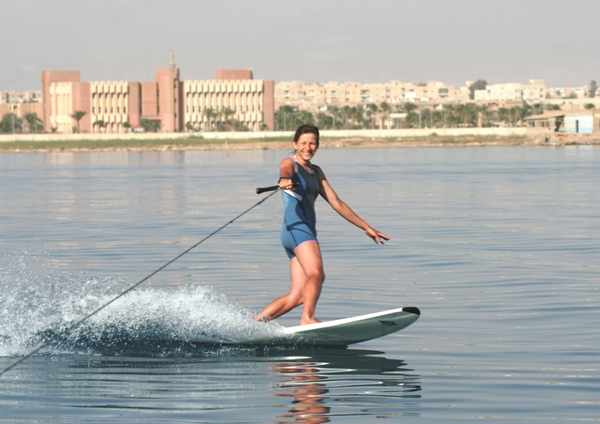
(302, 182)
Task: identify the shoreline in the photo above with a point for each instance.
(278, 144)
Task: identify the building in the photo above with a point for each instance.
(317, 96)
(534, 92)
(13, 97)
(235, 95)
(577, 122)
(172, 105)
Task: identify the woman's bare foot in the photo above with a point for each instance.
(307, 321)
(262, 318)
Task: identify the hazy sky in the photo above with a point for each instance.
(310, 40)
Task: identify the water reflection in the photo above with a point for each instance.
(213, 385)
(327, 383)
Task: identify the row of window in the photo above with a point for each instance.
(106, 109)
(109, 95)
(241, 109)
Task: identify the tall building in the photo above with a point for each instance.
(172, 104)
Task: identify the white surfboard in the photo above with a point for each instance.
(344, 332)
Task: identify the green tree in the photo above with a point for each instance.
(409, 107)
(77, 116)
(359, 117)
(384, 109)
(306, 117)
(100, 124)
(336, 117)
(11, 123)
(372, 114)
(210, 115)
(34, 122)
(437, 119)
(239, 126)
(150, 125)
(287, 117)
(480, 84)
(226, 114)
(324, 121)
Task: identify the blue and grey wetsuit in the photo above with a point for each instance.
(299, 220)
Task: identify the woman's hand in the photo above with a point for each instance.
(286, 183)
(377, 236)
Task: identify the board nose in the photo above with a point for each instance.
(412, 310)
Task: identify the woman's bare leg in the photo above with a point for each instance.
(289, 301)
(311, 264)
(306, 272)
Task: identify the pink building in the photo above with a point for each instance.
(175, 105)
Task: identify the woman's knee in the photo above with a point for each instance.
(316, 274)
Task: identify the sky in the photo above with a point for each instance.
(365, 41)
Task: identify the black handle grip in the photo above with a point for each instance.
(272, 188)
(263, 189)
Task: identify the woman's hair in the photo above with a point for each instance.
(307, 129)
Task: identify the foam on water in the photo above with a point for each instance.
(40, 302)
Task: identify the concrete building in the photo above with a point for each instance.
(577, 122)
(234, 93)
(172, 104)
(14, 97)
(317, 96)
(533, 92)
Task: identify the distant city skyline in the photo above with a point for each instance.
(451, 41)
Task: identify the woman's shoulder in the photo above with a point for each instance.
(318, 170)
(287, 161)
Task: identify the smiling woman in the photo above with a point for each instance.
(303, 182)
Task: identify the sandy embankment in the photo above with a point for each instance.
(174, 144)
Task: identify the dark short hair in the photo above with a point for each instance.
(307, 129)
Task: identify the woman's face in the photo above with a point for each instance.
(306, 146)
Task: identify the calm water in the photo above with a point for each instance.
(498, 247)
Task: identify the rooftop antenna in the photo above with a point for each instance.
(172, 60)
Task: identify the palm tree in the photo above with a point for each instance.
(335, 113)
(324, 121)
(34, 121)
(359, 116)
(285, 117)
(346, 116)
(306, 116)
(409, 107)
(100, 124)
(150, 125)
(385, 109)
(227, 113)
(77, 115)
(210, 115)
(372, 111)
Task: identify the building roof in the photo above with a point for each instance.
(556, 113)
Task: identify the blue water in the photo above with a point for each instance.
(499, 247)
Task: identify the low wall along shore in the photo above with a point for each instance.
(439, 137)
(351, 134)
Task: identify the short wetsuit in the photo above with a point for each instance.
(299, 220)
